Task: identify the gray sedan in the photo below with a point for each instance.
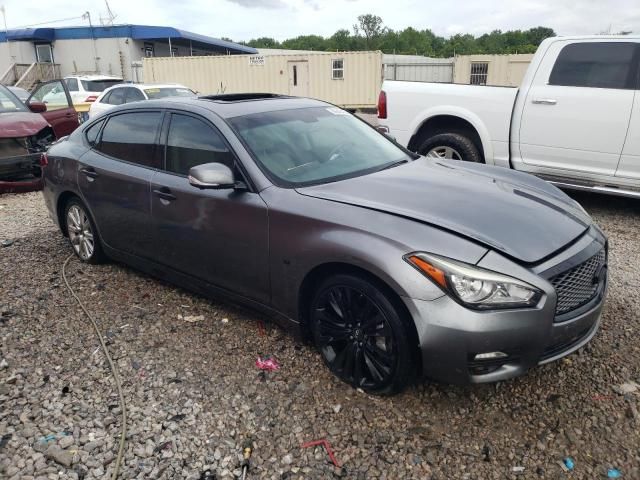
(394, 266)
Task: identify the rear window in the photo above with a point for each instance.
(98, 85)
(132, 137)
(595, 65)
(163, 92)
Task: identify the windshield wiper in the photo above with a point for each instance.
(392, 164)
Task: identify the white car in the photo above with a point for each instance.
(127, 93)
(574, 121)
(87, 88)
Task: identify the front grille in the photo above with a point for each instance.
(579, 285)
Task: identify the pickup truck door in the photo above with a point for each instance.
(60, 113)
(577, 109)
(629, 166)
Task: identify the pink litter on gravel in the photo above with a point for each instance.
(269, 364)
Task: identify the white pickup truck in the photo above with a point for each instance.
(574, 121)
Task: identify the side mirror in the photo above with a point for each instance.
(37, 107)
(211, 175)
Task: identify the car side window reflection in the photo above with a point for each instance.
(131, 137)
(192, 142)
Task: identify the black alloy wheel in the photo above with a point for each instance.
(360, 335)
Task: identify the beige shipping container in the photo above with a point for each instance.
(500, 70)
(347, 79)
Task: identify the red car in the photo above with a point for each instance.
(27, 130)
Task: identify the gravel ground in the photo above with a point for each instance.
(194, 394)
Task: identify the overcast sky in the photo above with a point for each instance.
(281, 19)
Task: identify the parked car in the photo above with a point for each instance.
(121, 94)
(87, 88)
(21, 93)
(303, 211)
(26, 130)
(574, 121)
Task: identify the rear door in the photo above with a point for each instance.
(577, 110)
(629, 166)
(219, 236)
(60, 112)
(114, 178)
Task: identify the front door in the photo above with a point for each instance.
(576, 118)
(60, 113)
(299, 79)
(114, 178)
(219, 236)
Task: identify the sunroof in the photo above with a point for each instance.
(242, 97)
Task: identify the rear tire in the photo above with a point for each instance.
(442, 145)
(361, 335)
(82, 232)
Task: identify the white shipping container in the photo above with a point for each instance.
(347, 79)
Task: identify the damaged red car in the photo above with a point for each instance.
(27, 130)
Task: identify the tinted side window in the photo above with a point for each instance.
(92, 132)
(134, 95)
(117, 96)
(192, 142)
(131, 137)
(596, 65)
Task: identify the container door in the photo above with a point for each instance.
(299, 79)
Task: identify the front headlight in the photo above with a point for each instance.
(474, 287)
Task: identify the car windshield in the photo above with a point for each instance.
(315, 145)
(164, 92)
(9, 102)
(98, 85)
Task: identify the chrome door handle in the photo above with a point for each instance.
(544, 101)
(164, 193)
(89, 172)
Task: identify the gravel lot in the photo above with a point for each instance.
(194, 394)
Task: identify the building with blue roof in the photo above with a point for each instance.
(114, 50)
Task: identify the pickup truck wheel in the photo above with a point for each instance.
(450, 146)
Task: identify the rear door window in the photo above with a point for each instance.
(72, 84)
(132, 137)
(192, 142)
(596, 65)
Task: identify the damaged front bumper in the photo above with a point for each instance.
(20, 161)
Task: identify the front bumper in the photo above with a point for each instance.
(451, 336)
(20, 166)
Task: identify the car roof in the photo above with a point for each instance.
(142, 86)
(229, 106)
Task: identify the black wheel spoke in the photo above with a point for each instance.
(354, 337)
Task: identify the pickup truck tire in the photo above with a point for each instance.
(452, 146)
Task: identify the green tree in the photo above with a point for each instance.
(371, 28)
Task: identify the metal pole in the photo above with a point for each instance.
(170, 50)
(190, 48)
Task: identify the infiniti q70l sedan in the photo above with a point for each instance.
(396, 267)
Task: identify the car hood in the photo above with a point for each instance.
(21, 124)
(515, 213)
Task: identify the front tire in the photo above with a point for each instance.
(450, 146)
(82, 232)
(361, 335)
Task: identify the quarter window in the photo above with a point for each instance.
(92, 132)
(192, 142)
(132, 137)
(595, 65)
(337, 69)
